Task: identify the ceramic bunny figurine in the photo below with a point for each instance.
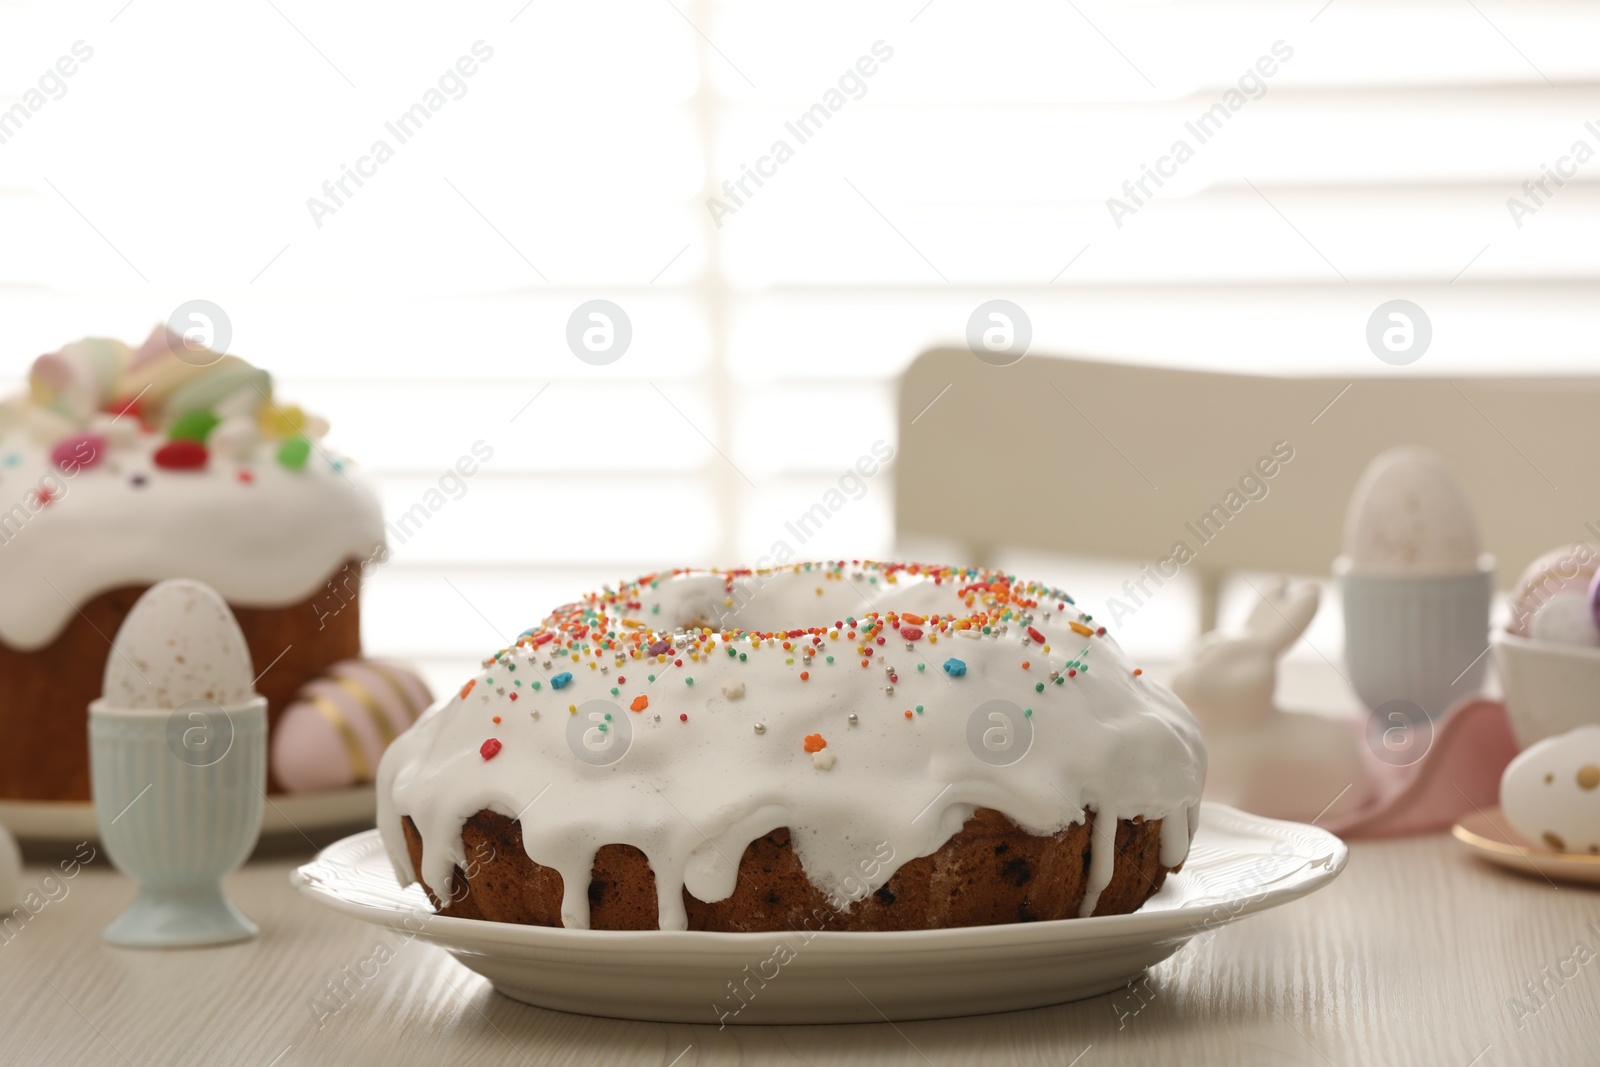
(1285, 765)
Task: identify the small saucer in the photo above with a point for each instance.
(1488, 835)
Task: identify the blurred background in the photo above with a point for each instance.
(1342, 154)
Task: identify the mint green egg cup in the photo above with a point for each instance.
(178, 798)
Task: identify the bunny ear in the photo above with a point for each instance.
(1283, 613)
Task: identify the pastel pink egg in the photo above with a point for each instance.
(335, 732)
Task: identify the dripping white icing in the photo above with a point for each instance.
(1102, 857)
(692, 795)
(1175, 835)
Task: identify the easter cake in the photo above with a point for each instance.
(122, 467)
(845, 745)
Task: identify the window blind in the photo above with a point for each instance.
(788, 202)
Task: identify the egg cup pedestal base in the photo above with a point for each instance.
(180, 918)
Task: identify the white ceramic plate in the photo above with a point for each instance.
(1489, 835)
(1239, 864)
(309, 813)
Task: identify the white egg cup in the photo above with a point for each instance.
(178, 797)
(1422, 639)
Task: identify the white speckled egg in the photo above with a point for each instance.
(1410, 515)
(179, 643)
(1551, 792)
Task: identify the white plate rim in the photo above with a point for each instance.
(1178, 923)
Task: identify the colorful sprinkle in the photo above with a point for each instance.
(490, 748)
(954, 668)
(815, 743)
(640, 702)
(468, 687)
(560, 681)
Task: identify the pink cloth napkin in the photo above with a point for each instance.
(1459, 774)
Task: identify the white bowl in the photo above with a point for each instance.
(1549, 688)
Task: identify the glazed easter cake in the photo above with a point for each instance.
(841, 745)
(123, 467)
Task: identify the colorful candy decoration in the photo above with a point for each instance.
(294, 452)
(181, 455)
(128, 409)
(335, 731)
(230, 379)
(193, 426)
(77, 380)
(78, 452)
(119, 431)
(282, 421)
(235, 437)
(201, 407)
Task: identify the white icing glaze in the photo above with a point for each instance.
(692, 794)
(179, 643)
(260, 533)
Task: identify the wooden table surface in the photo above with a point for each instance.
(1417, 953)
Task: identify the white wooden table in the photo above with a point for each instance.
(1413, 955)
(1416, 954)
